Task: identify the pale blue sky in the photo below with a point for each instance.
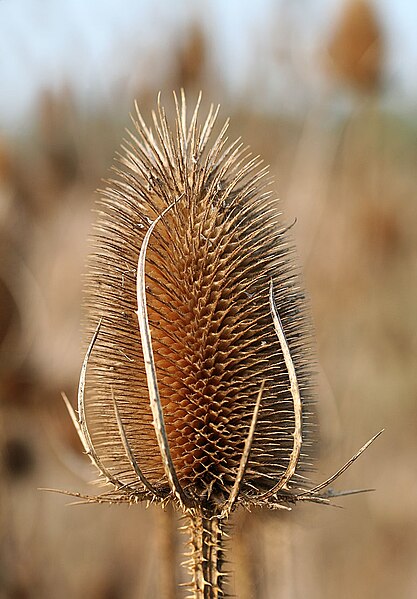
(93, 43)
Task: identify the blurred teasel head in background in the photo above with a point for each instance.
(356, 49)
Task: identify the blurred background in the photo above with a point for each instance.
(326, 92)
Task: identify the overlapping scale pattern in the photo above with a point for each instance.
(208, 268)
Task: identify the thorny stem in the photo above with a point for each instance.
(206, 557)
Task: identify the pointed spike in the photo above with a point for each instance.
(104, 498)
(295, 392)
(244, 458)
(343, 469)
(82, 421)
(75, 422)
(150, 368)
(129, 452)
(191, 137)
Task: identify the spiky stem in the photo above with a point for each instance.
(206, 557)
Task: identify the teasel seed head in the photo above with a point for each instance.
(200, 365)
(357, 47)
(189, 237)
(197, 384)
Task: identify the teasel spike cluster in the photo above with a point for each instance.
(200, 369)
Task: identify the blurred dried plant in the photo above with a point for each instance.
(192, 58)
(356, 48)
(208, 404)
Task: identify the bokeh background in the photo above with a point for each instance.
(326, 91)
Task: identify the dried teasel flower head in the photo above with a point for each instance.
(190, 237)
(197, 384)
(356, 49)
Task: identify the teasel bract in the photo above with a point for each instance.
(197, 385)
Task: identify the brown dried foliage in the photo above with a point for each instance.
(192, 57)
(356, 48)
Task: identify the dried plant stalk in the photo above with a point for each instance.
(206, 556)
(199, 387)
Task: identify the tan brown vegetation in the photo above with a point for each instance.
(356, 48)
(353, 195)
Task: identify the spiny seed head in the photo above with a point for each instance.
(209, 266)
